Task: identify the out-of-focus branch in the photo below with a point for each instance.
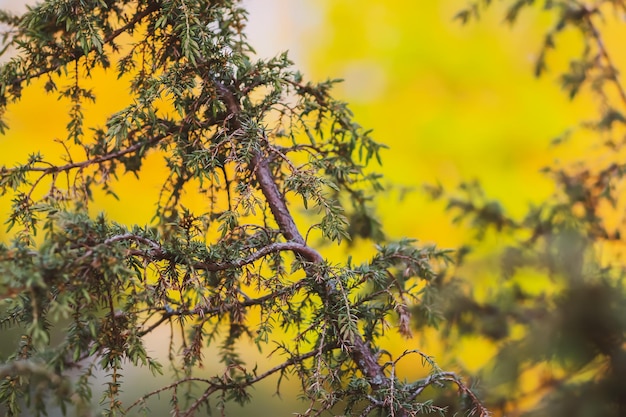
(605, 54)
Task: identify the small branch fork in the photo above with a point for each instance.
(604, 52)
(221, 385)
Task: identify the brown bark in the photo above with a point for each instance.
(359, 350)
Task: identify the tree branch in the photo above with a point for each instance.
(82, 164)
(214, 386)
(360, 352)
(605, 54)
(157, 253)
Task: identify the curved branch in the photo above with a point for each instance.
(82, 164)
(156, 252)
(301, 249)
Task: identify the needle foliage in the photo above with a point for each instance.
(257, 143)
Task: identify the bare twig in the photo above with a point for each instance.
(82, 164)
(605, 54)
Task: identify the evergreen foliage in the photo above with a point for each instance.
(259, 144)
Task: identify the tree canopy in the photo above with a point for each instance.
(258, 143)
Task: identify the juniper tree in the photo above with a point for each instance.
(258, 143)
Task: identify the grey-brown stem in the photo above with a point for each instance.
(360, 352)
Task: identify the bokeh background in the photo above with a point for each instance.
(453, 103)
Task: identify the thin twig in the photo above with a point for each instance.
(604, 52)
(82, 164)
